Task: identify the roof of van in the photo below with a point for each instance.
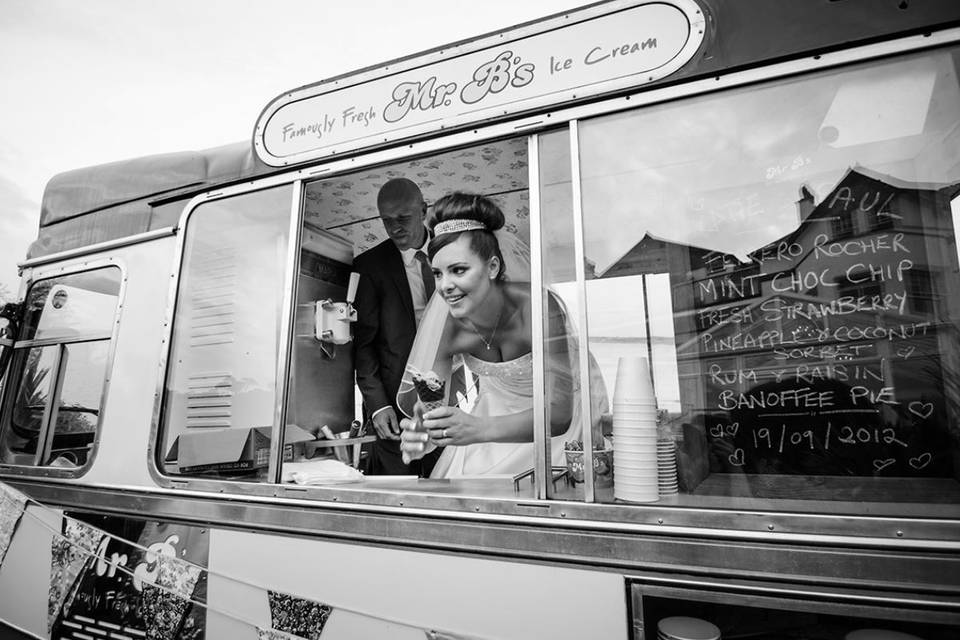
(109, 201)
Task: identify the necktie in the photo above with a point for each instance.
(426, 273)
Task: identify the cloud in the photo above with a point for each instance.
(18, 228)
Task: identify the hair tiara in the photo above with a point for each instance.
(457, 225)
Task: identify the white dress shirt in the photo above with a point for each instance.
(415, 278)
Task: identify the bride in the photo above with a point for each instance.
(482, 321)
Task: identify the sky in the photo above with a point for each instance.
(85, 83)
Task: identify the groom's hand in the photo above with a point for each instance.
(414, 440)
(386, 424)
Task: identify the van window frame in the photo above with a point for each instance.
(17, 362)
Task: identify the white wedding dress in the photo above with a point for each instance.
(505, 388)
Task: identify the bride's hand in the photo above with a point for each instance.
(452, 426)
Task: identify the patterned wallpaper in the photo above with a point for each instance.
(497, 170)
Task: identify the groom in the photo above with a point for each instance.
(395, 284)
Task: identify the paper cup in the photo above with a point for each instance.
(638, 470)
(635, 455)
(635, 418)
(632, 430)
(639, 495)
(627, 427)
(634, 382)
(634, 443)
(636, 449)
(645, 478)
(635, 401)
(636, 429)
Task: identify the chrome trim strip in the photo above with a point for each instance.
(285, 339)
(147, 236)
(91, 337)
(152, 445)
(543, 489)
(235, 507)
(50, 409)
(70, 269)
(579, 252)
(642, 583)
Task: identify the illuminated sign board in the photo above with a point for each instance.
(567, 59)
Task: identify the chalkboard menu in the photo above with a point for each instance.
(832, 350)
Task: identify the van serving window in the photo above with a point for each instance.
(220, 398)
(55, 388)
(818, 367)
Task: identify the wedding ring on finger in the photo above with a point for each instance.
(444, 433)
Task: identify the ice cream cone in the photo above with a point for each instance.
(430, 390)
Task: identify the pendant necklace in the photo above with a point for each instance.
(489, 343)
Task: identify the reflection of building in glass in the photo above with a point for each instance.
(832, 348)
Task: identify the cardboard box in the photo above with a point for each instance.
(234, 449)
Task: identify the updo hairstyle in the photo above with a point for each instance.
(469, 206)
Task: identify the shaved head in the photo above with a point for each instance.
(403, 211)
(397, 191)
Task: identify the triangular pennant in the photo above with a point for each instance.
(273, 634)
(12, 504)
(298, 616)
(177, 576)
(69, 554)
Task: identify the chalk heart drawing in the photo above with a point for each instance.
(880, 465)
(920, 461)
(719, 430)
(922, 409)
(906, 352)
(737, 458)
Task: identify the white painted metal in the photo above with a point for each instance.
(475, 597)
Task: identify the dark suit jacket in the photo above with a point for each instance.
(383, 336)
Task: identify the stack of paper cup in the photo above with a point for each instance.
(667, 467)
(635, 432)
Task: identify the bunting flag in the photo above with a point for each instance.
(273, 634)
(299, 617)
(12, 504)
(70, 553)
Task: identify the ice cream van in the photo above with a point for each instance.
(748, 214)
